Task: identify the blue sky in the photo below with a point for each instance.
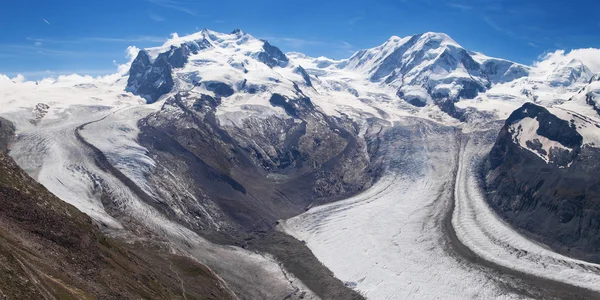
(68, 36)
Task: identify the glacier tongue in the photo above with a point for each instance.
(389, 242)
(407, 236)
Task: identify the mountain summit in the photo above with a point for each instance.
(424, 69)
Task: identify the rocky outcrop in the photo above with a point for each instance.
(300, 70)
(151, 80)
(272, 56)
(556, 201)
(219, 88)
(592, 93)
(7, 131)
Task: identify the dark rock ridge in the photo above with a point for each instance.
(7, 131)
(592, 98)
(555, 203)
(300, 70)
(219, 88)
(550, 126)
(272, 56)
(148, 79)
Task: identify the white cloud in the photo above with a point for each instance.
(131, 54)
(175, 5)
(155, 17)
(81, 76)
(153, 39)
(589, 56)
(17, 79)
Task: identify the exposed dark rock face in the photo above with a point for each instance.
(293, 107)
(177, 57)
(300, 70)
(7, 131)
(139, 65)
(592, 98)
(40, 110)
(448, 107)
(151, 80)
(589, 100)
(219, 88)
(556, 203)
(272, 56)
(550, 126)
(206, 103)
(414, 100)
(257, 170)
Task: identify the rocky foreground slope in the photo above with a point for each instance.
(50, 250)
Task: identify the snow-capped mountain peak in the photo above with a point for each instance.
(183, 62)
(569, 73)
(432, 68)
(420, 70)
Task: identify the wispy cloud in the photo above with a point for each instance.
(50, 73)
(461, 6)
(346, 45)
(9, 49)
(155, 17)
(175, 5)
(152, 39)
(37, 43)
(356, 20)
(508, 32)
(45, 21)
(298, 44)
(136, 39)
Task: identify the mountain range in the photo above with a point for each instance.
(268, 175)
